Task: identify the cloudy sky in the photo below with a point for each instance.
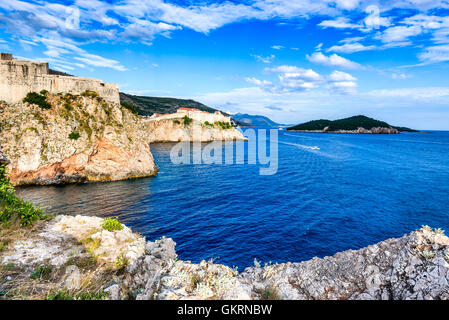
(290, 60)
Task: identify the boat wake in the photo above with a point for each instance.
(301, 146)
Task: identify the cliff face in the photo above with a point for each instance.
(3, 159)
(80, 138)
(175, 130)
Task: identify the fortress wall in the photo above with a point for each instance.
(198, 116)
(17, 78)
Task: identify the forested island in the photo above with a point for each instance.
(355, 124)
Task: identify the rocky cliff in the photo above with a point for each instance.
(3, 158)
(176, 130)
(75, 138)
(415, 266)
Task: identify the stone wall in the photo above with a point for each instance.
(19, 77)
(200, 116)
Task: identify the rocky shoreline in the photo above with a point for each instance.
(377, 130)
(415, 266)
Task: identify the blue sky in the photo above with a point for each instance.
(290, 60)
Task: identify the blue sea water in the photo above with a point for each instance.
(354, 191)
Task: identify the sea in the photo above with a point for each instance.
(331, 192)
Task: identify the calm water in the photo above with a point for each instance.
(355, 191)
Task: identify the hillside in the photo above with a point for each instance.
(146, 106)
(255, 120)
(348, 124)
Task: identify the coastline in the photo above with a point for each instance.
(414, 266)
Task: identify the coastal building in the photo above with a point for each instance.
(19, 77)
(195, 114)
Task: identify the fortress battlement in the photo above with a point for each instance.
(19, 77)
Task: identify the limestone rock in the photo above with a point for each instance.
(415, 266)
(78, 139)
(67, 237)
(173, 130)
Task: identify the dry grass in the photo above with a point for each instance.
(38, 282)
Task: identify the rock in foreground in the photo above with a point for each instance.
(415, 266)
(412, 267)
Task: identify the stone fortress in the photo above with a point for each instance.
(195, 114)
(19, 77)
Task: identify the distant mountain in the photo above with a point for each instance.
(255, 120)
(349, 124)
(146, 106)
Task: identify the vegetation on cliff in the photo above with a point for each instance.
(349, 124)
(38, 99)
(69, 141)
(13, 209)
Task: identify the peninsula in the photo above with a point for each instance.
(56, 128)
(356, 124)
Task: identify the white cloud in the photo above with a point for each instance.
(333, 60)
(277, 47)
(351, 48)
(399, 33)
(296, 79)
(434, 54)
(413, 93)
(341, 76)
(67, 51)
(97, 61)
(342, 82)
(399, 76)
(268, 59)
(347, 4)
(264, 84)
(339, 23)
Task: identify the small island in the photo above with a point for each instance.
(357, 124)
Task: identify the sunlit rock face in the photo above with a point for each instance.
(80, 138)
(175, 130)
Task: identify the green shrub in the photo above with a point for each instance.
(111, 224)
(41, 272)
(187, 120)
(12, 206)
(129, 106)
(121, 262)
(68, 106)
(43, 92)
(64, 295)
(176, 122)
(207, 123)
(223, 125)
(74, 135)
(60, 295)
(37, 99)
(90, 94)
